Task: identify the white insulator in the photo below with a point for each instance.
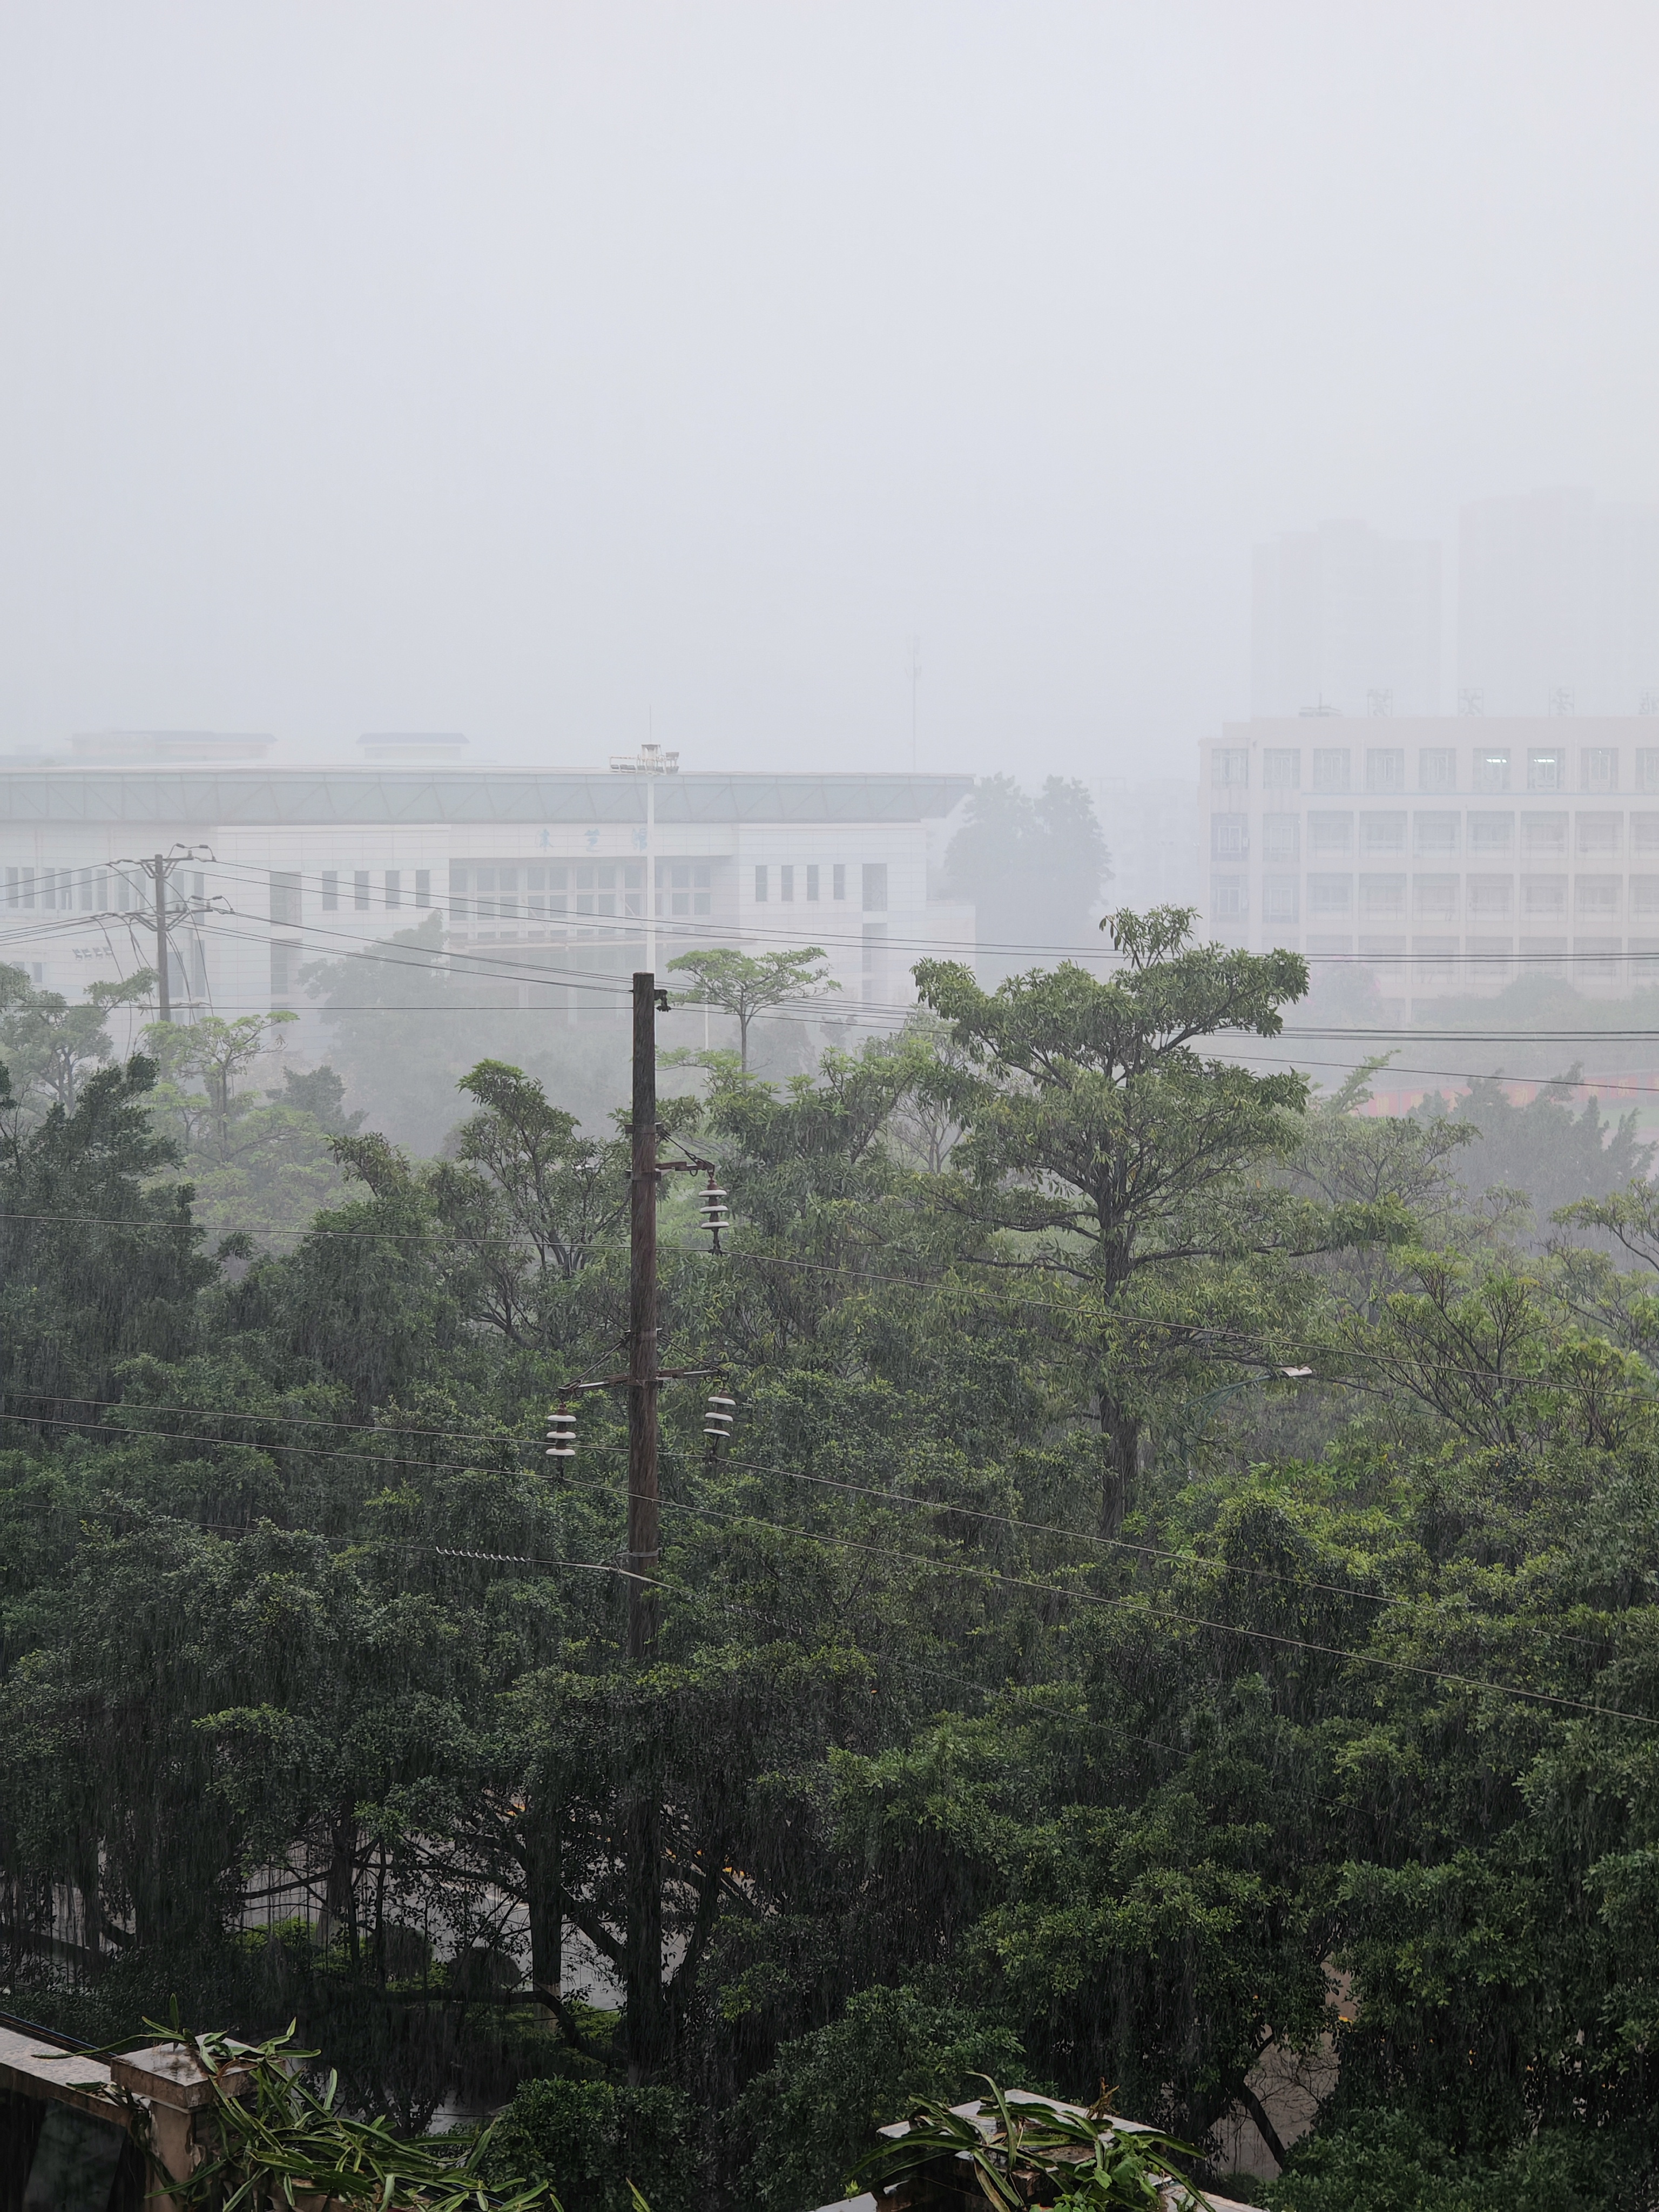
(718, 1418)
(561, 1434)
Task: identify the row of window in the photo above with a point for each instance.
(357, 892)
(1536, 768)
(1438, 898)
(550, 890)
(1338, 830)
(89, 891)
(809, 883)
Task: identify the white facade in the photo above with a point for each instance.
(1452, 848)
(538, 880)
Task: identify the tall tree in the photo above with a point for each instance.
(1033, 866)
(50, 1045)
(1097, 1129)
(744, 984)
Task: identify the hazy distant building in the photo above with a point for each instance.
(541, 881)
(1558, 605)
(1345, 620)
(1441, 851)
(1152, 838)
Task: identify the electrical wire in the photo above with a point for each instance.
(1013, 1524)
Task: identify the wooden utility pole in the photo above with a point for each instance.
(643, 1940)
(643, 1361)
(163, 990)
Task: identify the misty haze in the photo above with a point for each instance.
(828, 1056)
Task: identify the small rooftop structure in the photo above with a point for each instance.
(430, 745)
(142, 745)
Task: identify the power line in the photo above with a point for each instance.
(1013, 1524)
(1155, 1612)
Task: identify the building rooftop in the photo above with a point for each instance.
(230, 797)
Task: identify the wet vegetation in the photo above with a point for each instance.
(1180, 1594)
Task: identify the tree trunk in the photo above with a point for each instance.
(544, 1899)
(647, 2013)
(1119, 1440)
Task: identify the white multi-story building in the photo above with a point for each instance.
(543, 878)
(1452, 847)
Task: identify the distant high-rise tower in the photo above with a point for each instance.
(1558, 605)
(1347, 621)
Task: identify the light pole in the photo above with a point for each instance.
(650, 762)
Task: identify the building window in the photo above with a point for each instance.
(1382, 833)
(1281, 837)
(1228, 902)
(1382, 898)
(1491, 898)
(1329, 834)
(1491, 771)
(760, 886)
(1544, 898)
(284, 960)
(1279, 899)
(285, 897)
(1385, 768)
(1281, 767)
(1230, 837)
(811, 883)
(1435, 835)
(1647, 768)
(1544, 836)
(685, 887)
(1434, 898)
(1329, 896)
(1437, 768)
(1597, 899)
(838, 883)
(1330, 768)
(331, 890)
(1600, 836)
(1544, 770)
(1490, 833)
(1598, 767)
(875, 887)
(424, 887)
(1230, 765)
(394, 887)
(360, 891)
(786, 884)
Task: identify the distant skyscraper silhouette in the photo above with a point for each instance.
(1346, 621)
(1558, 604)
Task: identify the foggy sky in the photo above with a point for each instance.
(541, 370)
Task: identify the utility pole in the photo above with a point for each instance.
(651, 760)
(643, 1360)
(158, 870)
(642, 1942)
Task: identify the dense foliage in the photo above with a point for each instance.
(1181, 1591)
